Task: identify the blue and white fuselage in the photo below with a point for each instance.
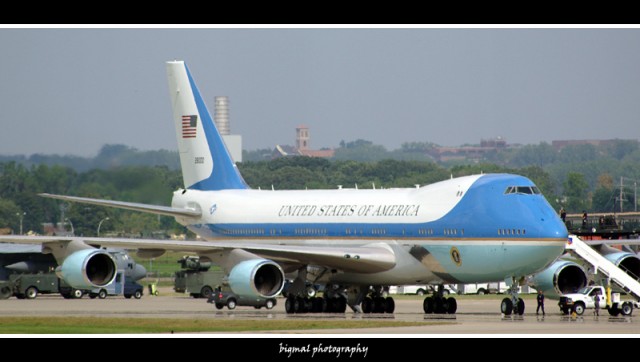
(471, 229)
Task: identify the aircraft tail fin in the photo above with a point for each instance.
(205, 160)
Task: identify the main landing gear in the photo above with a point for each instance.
(439, 304)
(299, 304)
(514, 304)
(376, 302)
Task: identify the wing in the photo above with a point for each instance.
(370, 258)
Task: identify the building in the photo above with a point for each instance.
(301, 147)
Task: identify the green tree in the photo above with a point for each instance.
(575, 191)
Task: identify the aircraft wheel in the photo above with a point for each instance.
(520, 307)
(378, 305)
(390, 305)
(452, 305)
(506, 306)
(341, 305)
(367, 305)
(439, 307)
(289, 304)
(428, 305)
(298, 305)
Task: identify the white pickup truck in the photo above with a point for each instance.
(585, 299)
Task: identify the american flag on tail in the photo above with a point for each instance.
(189, 124)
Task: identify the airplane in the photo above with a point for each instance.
(356, 242)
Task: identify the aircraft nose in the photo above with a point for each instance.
(138, 272)
(554, 229)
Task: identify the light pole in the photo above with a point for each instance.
(100, 224)
(21, 215)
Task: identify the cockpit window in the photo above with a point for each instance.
(526, 190)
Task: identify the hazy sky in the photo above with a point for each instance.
(69, 91)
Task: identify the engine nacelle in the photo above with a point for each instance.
(560, 278)
(257, 278)
(87, 269)
(628, 262)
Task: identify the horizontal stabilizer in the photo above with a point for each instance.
(154, 209)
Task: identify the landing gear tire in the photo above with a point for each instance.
(440, 306)
(506, 307)
(289, 304)
(367, 305)
(390, 305)
(428, 305)
(519, 309)
(379, 305)
(298, 305)
(452, 305)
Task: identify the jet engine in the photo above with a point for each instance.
(258, 278)
(628, 262)
(87, 268)
(560, 278)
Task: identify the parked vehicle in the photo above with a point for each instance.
(229, 299)
(196, 279)
(585, 299)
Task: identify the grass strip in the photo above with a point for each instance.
(99, 325)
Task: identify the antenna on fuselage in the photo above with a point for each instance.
(374, 185)
(356, 186)
(272, 188)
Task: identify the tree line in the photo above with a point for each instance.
(577, 178)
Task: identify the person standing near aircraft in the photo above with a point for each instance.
(563, 214)
(596, 302)
(540, 299)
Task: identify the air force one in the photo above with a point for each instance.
(473, 229)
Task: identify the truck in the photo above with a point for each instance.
(585, 299)
(196, 278)
(30, 285)
(120, 286)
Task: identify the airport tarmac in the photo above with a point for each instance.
(479, 316)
